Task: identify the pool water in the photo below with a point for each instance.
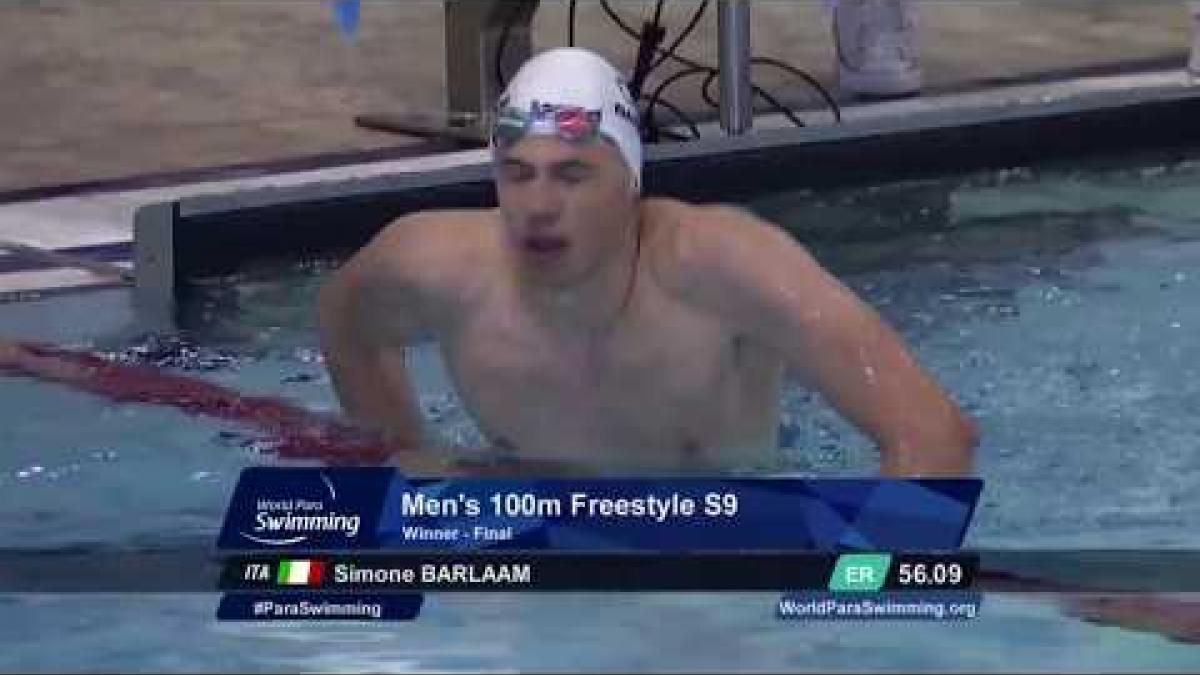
(1056, 303)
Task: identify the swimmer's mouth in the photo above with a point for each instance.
(543, 245)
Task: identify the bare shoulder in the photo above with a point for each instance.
(430, 251)
(424, 269)
(434, 246)
(699, 247)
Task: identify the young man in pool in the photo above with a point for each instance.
(583, 323)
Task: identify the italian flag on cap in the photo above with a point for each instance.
(300, 572)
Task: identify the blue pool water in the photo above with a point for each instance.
(1057, 304)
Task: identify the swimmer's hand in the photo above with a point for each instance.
(21, 358)
(10, 354)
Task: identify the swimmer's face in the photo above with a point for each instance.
(568, 208)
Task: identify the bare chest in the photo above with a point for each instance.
(667, 388)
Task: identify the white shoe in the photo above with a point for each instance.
(876, 47)
(1193, 66)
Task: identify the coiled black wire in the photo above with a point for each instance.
(650, 130)
(695, 67)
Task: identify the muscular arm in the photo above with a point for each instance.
(369, 311)
(769, 286)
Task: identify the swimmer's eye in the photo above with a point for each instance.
(573, 173)
(516, 172)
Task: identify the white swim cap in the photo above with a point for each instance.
(570, 93)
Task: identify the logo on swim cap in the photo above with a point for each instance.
(570, 123)
(575, 121)
(573, 94)
(625, 113)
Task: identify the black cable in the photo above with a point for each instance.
(692, 67)
(787, 112)
(638, 38)
(571, 7)
(508, 24)
(649, 127)
(712, 74)
(617, 20)
(670, 51)
(678, 112)
(705, 93)
(837, 110)
(706, 90)
(652, 36)
(675, 77)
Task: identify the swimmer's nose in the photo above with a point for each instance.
(538, 222)
(545, 206)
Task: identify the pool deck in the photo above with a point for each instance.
(977, 54)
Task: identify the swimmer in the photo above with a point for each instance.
(585, 323)
(297, 433)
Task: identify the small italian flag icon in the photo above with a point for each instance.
(300, 573)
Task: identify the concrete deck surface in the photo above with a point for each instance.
(99, 90)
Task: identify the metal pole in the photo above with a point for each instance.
(475, 31)
(478, 33)
(733, 57)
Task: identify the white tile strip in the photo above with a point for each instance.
(25, 285)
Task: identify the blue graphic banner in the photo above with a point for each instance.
(293, 509)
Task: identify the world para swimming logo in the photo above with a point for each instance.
(292, 520)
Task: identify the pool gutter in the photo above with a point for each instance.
(208, 235)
